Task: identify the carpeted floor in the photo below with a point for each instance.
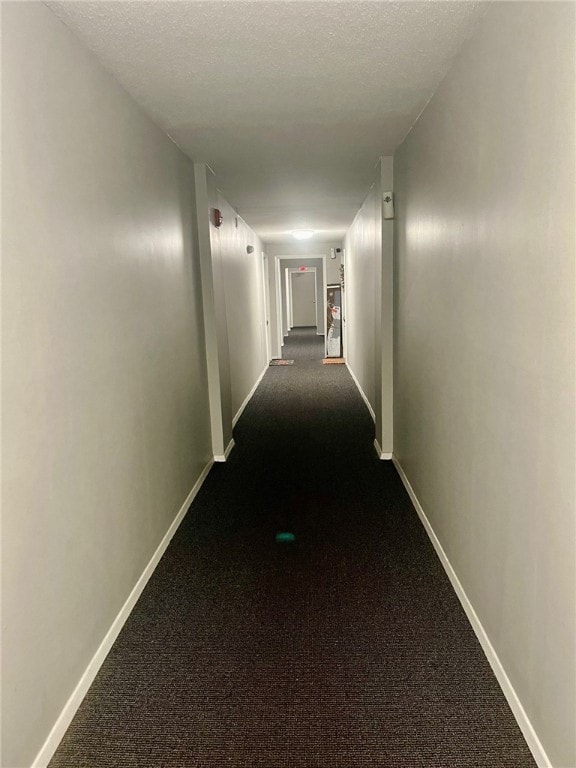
(345, 648)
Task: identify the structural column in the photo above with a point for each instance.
(214, 306)
(385, 322)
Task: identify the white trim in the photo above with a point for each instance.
(534, 743)
(221, 457)
(249, 395)
(361, 392)
(381, 455)
(70, 708)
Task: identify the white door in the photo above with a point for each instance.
(303, 299)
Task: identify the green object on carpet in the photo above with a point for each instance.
(281, 362)
(285, 536)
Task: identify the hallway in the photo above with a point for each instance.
(166, 168)
(345, 648)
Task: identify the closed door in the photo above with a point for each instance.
(303, 299)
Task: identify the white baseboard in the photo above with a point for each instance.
(249, 395)
(534, 743)
(361, 392)
(70, 708)
(381, 455)
(221, 457)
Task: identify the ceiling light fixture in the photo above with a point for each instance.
(302, 234)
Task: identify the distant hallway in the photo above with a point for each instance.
(344, 648)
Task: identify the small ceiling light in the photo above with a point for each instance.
(302, 234)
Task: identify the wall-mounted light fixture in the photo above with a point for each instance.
(302, 234)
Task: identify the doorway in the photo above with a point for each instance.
(334, 321)
(266, 290)
(302, 299)
(282, 267)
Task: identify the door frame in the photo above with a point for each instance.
(291, 271)
(343, 311)
(279, 303)
(278, 296)
(266, 285)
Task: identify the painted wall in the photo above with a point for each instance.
(105, 427)
(484, 358)
(244, 298)
(363, 246)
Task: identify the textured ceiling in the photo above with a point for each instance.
(291, 103)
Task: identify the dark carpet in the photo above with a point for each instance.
(346, 647)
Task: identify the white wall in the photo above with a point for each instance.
(306, 248)
(369, 303)
(484, 385)
(207, 240)
(233, 295)
(244, 297)
(363, 246)
(104, 381)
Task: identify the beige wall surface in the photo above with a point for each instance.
(484, 343)
(105, 411)
(363, 245)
